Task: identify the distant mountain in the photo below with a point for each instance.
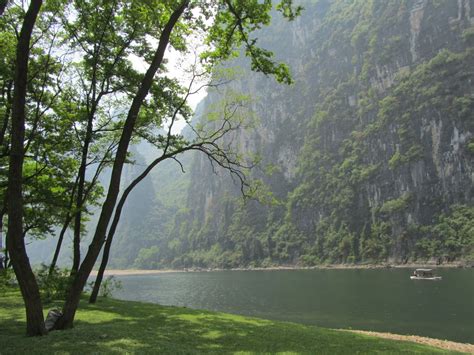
(369, 155)
(372, 148)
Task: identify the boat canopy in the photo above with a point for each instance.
(424, 272)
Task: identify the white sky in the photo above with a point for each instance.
(178, 65)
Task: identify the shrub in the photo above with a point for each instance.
(309, 260)
(108, 286)
(470, 147)
(53, 285)
(396, 205)
(456, 231)
(7, 279)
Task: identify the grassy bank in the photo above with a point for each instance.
(114, 326)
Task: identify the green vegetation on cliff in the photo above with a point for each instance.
(367, 158)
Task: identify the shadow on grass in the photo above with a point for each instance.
(114, 326)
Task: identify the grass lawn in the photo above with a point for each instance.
(113, 326)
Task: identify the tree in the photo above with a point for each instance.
(124, 29)
(207, 141)
(103, 72)
(47, 167)
(15, 240)
(233, 22)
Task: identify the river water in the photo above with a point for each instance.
(380, 300)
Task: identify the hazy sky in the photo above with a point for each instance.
(178, 66)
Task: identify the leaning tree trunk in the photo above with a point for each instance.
(72, 301)
(16, 243)
(108, 243)
(113, 227)
(79, 201)
(59, 243)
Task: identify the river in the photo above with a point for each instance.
(381, 299)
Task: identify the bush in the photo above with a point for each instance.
(396, 205)
(456, 231)
(7, 279)
(267, 262)
(148, 258)
(309, 260)
(54, 285)
(107, 286)
(470, 147)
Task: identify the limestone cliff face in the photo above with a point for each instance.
(370, 148)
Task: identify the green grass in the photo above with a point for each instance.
(113, 326)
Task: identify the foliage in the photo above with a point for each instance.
(362, 127)
(468, 34)
(360, 124)
(132, 327)
(449, 238)
(470, 147)
(455, 233)
(7, 280)
(53, 284)
(109, 286)
(86, 96)
(48, 167)
(148, 258)
(396, 205)
(376, 245)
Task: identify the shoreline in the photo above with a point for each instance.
(444, 344)
(123, 337)
(130, 272)
(438, 343)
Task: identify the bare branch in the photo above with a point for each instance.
(180, 164)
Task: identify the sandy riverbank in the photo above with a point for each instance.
(126, 272)
(443, 344)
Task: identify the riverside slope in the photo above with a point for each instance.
(114, 326)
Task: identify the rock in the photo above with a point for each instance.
(51, 319)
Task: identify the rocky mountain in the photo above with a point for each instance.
(367, 157)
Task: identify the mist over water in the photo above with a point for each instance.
(380, 300)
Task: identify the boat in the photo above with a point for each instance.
(424, 274)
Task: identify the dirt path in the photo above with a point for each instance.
(443, 344)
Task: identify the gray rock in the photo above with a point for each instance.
(51, 319)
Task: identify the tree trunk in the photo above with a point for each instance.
(3, 5)
(3, 263)
(78, 215)
(2, 256)
(113, 227)
(80, 199)
(16, 243)
(63, 229)
(59, 243)
(6, 116)
(72, 301)
(6, 261)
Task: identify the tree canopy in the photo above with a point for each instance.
(81, 81)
